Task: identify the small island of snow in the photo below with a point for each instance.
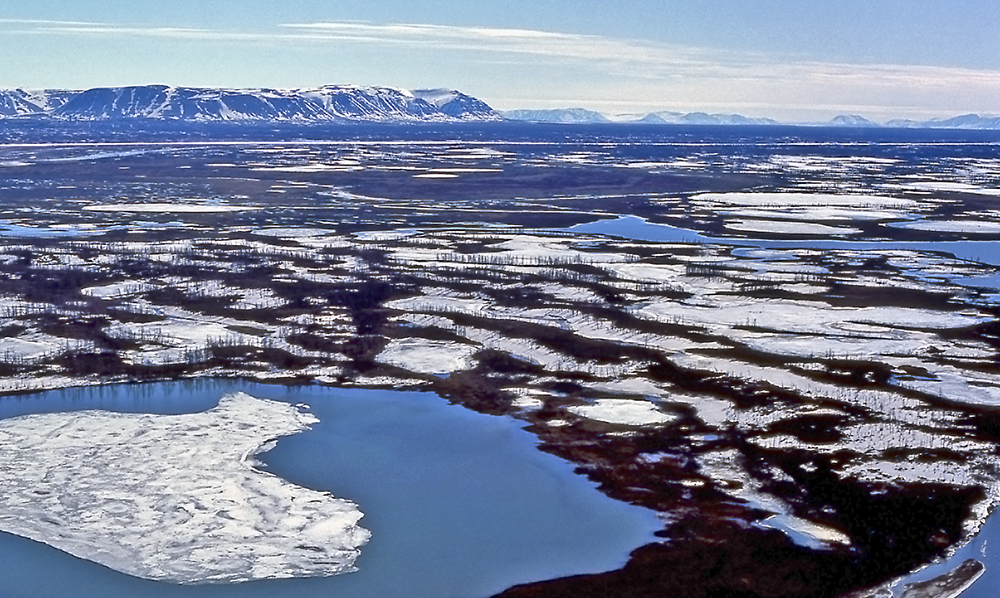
(173, 497)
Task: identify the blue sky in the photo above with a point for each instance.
(790, 59)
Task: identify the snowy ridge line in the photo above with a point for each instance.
(330, 103)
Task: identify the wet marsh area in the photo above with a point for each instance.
(807, 421)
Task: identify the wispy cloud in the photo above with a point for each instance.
(44, 22)
(638, 58)
(175, 32)
(477, 40)
(113, 30)
(686, 75)
(577, 47)
(653, 60)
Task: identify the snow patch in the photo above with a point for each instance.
(624, 412)
(428, 356)
(177, 208)
(951, 226)
(809, 200)
(951, 187)
(789, 227)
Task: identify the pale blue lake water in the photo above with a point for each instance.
(639, 229)
(459, 504)
(985, 548)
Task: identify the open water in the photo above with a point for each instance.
(459, 504)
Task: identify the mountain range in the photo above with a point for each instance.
(583, 116)
(331, 103)
(349, 103)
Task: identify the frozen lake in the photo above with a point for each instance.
(458, 503)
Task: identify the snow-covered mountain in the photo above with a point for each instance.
(666, 117)
(348, 103)
(904, 123)
(332, 103)
(557, 115)
(583, 116)
(965, 121)
(457, 104)
(702, 118)
(22, 102)
(851, 120)
(13, 103)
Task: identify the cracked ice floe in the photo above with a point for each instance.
(173, 498)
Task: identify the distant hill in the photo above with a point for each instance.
(557, 115)
(851, 120)
(702, 118)
(584, 116)
(904, 123)
(965, 121)
(666, 117)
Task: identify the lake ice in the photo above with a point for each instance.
(173, 497)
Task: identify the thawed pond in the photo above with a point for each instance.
(457, 503)
(638, 229)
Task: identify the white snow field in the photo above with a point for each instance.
(624, 412)
(786, 200)
(178, 208)
(173, 497)
(952, 226)
(787, 227)
(428, 356)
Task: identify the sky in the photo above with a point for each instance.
(794, 60)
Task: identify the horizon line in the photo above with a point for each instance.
(612, 116)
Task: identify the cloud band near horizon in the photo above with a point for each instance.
(601, 72)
